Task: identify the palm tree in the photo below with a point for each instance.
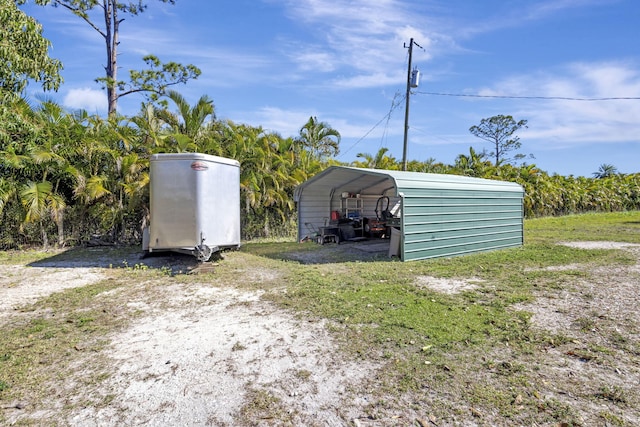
(32, 161)
(302, 163)
(431, 165)
(188, 127)
(110, 171)
(319, 138)
(378, 161)
(39, 200)
(7, 190)
(475, 164)
(149, 126)
(128, 177)
(605, 170)
(268, 174)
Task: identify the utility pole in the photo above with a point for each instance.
(406, 109)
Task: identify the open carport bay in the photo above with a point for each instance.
(436, 215)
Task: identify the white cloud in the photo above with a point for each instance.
(516, 14)
(285, 122)
(364, 39)
(315, 61)
(288, 122)
(369, 80)
(557, 123)
(546, 8)
(88, 99)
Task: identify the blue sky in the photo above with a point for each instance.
(274, 63)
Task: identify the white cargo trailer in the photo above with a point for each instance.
(194, 204)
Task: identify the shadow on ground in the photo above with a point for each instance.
(133, 257)
(312, 253)
(119, 257)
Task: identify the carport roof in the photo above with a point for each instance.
(393, 183)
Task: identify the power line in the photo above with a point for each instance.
(466, 95)
(561, 98)
(385, 132)
(387, 116)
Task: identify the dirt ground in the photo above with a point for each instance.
(206, 353)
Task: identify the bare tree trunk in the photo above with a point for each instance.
(267, 229)
(111, 40)
(60, 225)
(45, 239)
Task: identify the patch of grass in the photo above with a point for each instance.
(618, 226)
(526, 262)
(381, 298)
(486, 396)
(276, 249)
(303, 374)
(553, 340)
(263, 405)
(238, 346)
(63, 326)
(612, 419)
(615, 394)
(586, 324)
(24, 257)
(398, 314)
(559, 411)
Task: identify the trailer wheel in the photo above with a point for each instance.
(204, 252)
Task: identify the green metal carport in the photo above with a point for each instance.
(440, 215)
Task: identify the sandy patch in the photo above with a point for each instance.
(196, 367)
(21, 285)
(600, 245)
(599, 316)
(447, 286)
(566, 267)
(611, 293)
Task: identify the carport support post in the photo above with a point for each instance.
(406, 108)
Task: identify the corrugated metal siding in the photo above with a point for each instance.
(442, 215)
(313, 211)
(471, 216)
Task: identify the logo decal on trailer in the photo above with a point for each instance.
(199, 166)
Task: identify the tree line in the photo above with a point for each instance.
(71, 178)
